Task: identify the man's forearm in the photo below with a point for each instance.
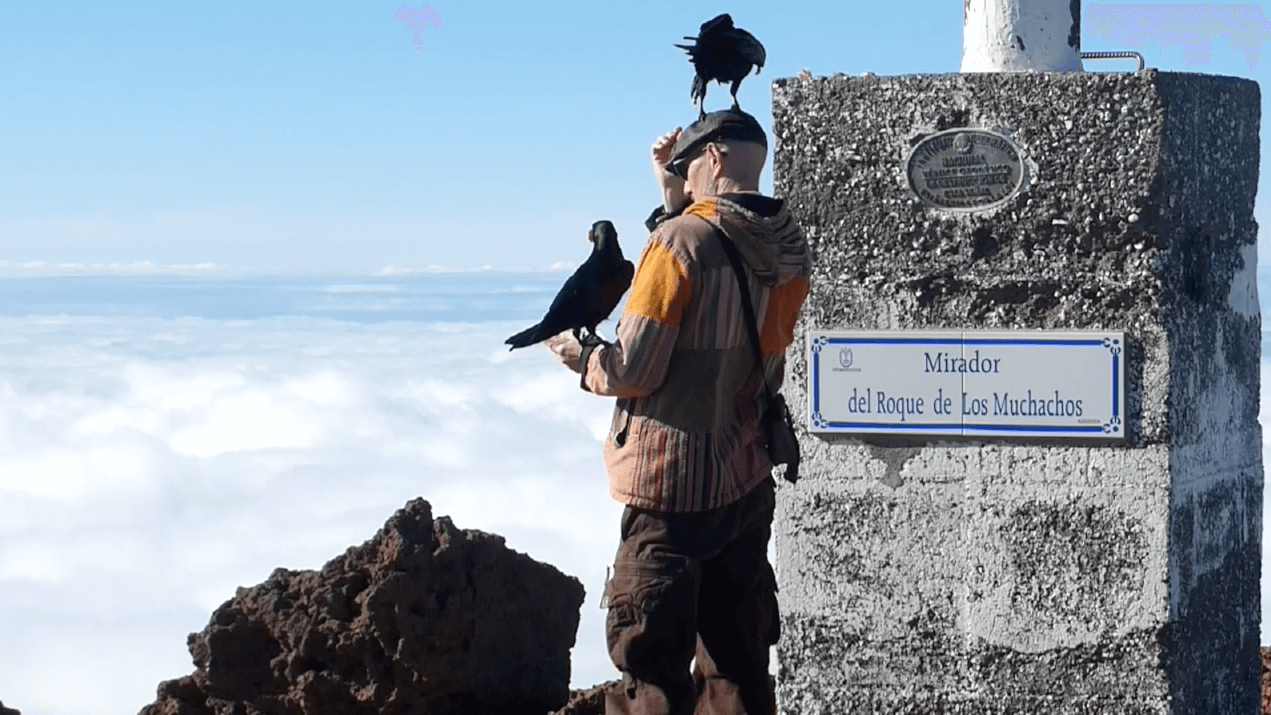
(636, 364)
(673, 201)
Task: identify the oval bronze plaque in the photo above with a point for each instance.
(964, 169)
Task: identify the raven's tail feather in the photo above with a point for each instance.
(526, 337)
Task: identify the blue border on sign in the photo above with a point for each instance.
(1110, 427)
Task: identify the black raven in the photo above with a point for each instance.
(722, 53)
(589, 296)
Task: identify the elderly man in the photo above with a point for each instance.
(685, 452)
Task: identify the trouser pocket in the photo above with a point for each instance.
(650, 627)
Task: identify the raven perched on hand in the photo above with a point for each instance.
(722, 53)
(589, 296)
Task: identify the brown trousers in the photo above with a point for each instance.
(696, 584)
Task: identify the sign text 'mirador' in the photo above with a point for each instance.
(944, 362)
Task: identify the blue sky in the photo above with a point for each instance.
(312, 137)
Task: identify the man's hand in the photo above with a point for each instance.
(567, 349)
(673, 196)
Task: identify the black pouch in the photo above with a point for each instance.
(782, 442)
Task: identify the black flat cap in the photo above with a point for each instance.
(716, 126)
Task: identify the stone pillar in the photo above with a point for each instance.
(1021, 36)
(986, 576)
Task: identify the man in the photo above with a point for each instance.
(685, 451)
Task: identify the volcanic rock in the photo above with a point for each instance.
(1266, 681)
(423, 618)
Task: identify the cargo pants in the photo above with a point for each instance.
(694, 585)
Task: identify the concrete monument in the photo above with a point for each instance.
(980, 572)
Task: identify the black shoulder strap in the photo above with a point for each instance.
(747, 307)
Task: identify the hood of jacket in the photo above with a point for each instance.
(764, 231)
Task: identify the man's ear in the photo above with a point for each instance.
(718, 152)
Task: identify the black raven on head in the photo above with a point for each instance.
(722, 53)
(589, 296)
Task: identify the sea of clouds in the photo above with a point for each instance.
(167, 439)
(150, 463)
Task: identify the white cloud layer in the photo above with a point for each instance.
(37, 268)
(148, 467)
(27, 269)
(151, 465)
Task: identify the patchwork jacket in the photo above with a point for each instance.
(685, 435)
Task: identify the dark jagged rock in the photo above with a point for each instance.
(1266, 681)
(8, 711)
(423, 618)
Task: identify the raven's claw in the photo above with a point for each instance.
(591, 340)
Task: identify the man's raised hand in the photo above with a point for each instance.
(673, 196)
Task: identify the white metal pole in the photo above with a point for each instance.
(1021, 36)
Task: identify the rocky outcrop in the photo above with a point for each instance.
(8, 711)
(1266, 681)
(423, 618)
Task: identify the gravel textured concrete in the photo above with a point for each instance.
(1009, 576)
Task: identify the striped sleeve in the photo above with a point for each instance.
(784, 303)
(636, 364)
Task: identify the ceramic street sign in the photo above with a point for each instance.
(1019, 384)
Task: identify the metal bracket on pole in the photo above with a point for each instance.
(1117, 55)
